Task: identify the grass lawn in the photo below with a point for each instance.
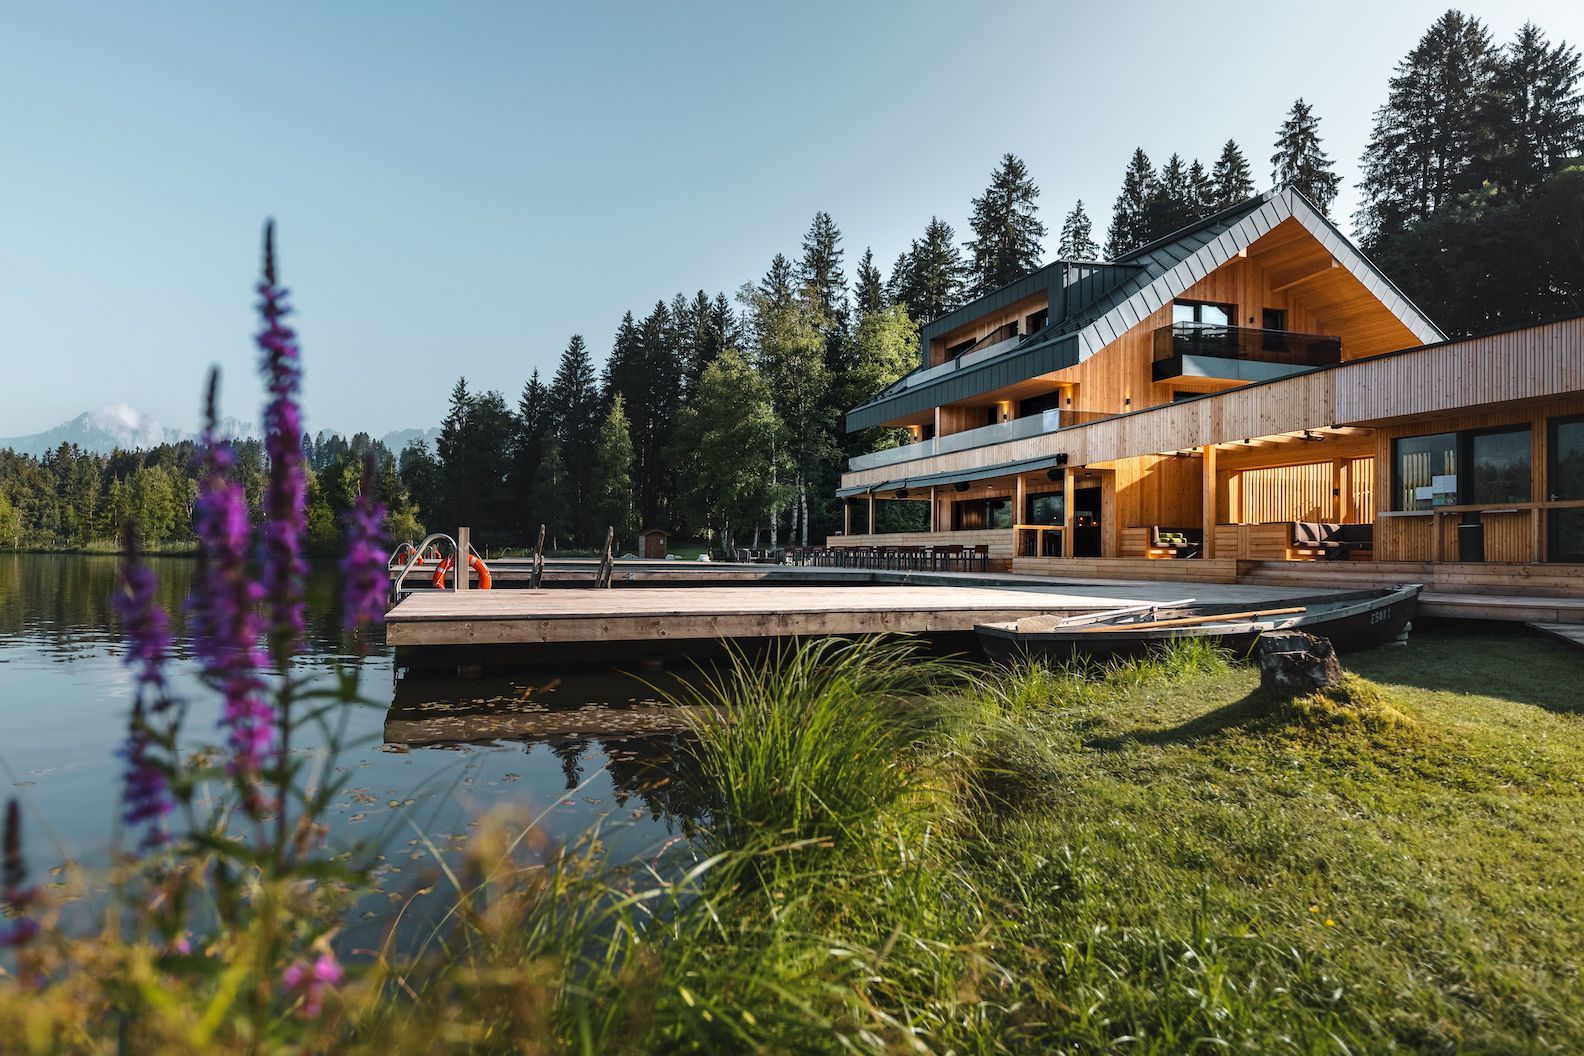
(1311, 879)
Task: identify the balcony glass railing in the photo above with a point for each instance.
(1016, 429)
(1211, 341)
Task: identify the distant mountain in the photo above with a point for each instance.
(119, 427)
(394, 442)
(104, 430)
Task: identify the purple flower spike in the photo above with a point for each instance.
(224, 607)
(16, 928)
(146, 793)
(285, 500)
(313, 981)
(363, 567)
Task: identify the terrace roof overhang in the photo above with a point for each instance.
(1005, 469)
(1033, 358)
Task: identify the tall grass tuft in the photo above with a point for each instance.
(813, 740)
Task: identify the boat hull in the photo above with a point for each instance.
(1376, 619)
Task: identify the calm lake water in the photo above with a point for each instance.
(436, 754)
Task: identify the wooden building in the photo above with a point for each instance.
(1242, 399)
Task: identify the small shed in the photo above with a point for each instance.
(652, 544)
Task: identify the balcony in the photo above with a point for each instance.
(1239, 353)
(1016, 429)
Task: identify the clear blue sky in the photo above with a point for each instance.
(460, 187)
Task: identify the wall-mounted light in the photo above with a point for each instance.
(1053, 474)
(902, 493)
(1061, 458)
(1309, 435)
(961, 485)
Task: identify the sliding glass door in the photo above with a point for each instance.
(1564, 481)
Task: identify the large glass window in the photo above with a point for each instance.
(1426, 471)
(1565, 483)
(973, 514)
(1044, 509)
(1498, 467)
(1462, 469)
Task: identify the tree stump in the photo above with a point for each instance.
(1295, 664)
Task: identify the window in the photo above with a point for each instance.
(1274, 322)
(1495, 469)
(1205, 313)
(1037, 321)
(1426, 471)
(972, 514)
(1498, 464)
(1049, 401)
(1565, 482)
(1046, 508)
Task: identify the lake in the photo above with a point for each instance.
(434, 755)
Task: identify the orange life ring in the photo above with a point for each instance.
(478, 566)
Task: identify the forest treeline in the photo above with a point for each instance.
(720, 416)
(75, 499)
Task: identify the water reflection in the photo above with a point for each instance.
(585, 719)
(431, 755)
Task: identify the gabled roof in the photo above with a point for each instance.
(1159, 272)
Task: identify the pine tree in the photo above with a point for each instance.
(1130, 216)
(1171, 205)
(574, 408)
(1424, 149)
(868, 286)
(534, 419)
(1231, 176)
(776, 286)
(1077, 236)
(1299, 162)
(1007, 230)
(549, 496)
(819, 273)
(612, 495)
(1537, 115)
(932, 277)
(456, 505)
(1201, 190)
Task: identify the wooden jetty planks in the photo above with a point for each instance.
(504, 617)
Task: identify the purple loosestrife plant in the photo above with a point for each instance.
(224, 606)
(285, 499)
(311, 980)
(363, 569)
(146, 791)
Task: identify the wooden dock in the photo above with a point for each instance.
(567, 624)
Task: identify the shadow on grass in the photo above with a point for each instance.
(1254, 713)
(1447, 657)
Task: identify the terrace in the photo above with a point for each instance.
(1238, 353)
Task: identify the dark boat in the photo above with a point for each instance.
(1352, 620)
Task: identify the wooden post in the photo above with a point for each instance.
(538, 562)
(1019, 494)
(847, 516)
(1339, 489)
(934, 510)
(607, 560)
(871, 513)
(1067, 512)
(461, 570)
(1208, 499)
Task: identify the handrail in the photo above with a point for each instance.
(412, 562)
